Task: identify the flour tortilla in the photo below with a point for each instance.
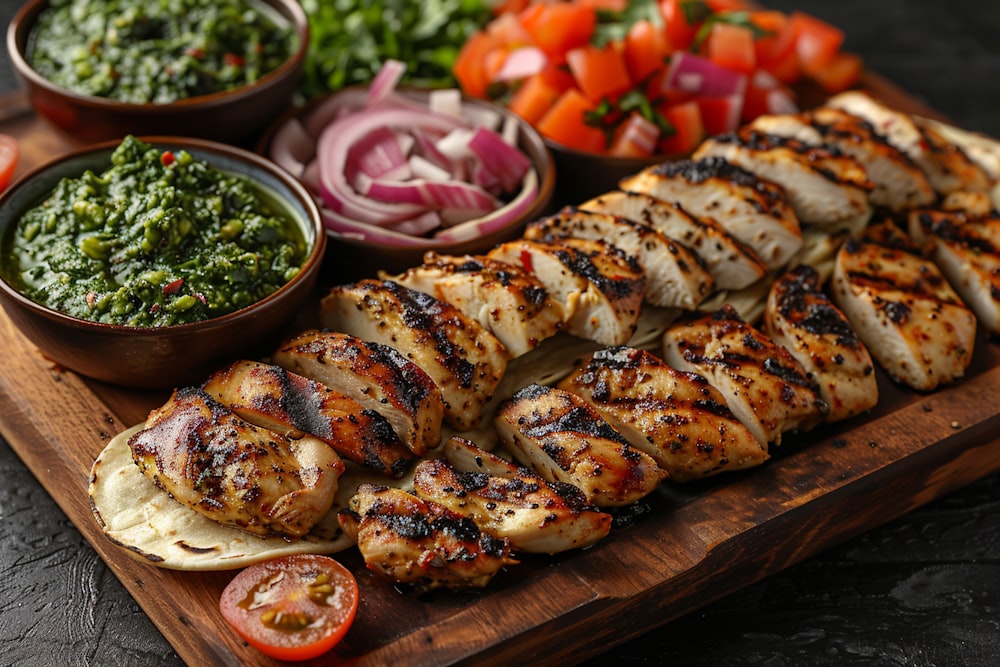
(151, 526)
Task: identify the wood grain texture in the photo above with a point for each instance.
(695, 545)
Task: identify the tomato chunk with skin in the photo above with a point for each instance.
(291, 608)
(9, 154)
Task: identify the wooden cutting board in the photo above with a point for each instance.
(695, 543)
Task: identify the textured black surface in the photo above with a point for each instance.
(922, 591)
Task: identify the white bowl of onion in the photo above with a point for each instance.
(400, 171)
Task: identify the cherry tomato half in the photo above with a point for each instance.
(293, 607)
(8, 159)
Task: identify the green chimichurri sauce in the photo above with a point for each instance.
(159, 238)
(157, 51)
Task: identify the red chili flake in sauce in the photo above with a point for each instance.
(233, 59)
(167, 158)
(173, 287)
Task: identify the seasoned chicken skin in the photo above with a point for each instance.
(802, 319)
(731, 263)
(947, 166)
(675, 277)
(898, 183)
(599, 287)
(751, 208)
(465, 360)
(421, 543)
(911, 320)
(232, 472)
(967, 250)
(824, 187)
(510, 501)
(563, 439)
(377, 376)
(510, 302)
(764, 386)
(273, 398)
(675, 417)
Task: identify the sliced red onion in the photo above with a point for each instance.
(421, 167)
(507, 162)
(292, 147)
(385, 82)
(433, 195)
(349, 228)
(496, 220)
(693, 74)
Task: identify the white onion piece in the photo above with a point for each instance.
(455, 144)
(521, 63)
(446, 101)
(421, 167)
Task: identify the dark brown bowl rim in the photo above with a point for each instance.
(296, 190)
(27, 14)
(546, 169)
(613, 160)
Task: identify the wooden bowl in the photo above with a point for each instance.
(350, 258)
(168, 356)
(226, 116)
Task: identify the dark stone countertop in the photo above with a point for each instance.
(922, 591)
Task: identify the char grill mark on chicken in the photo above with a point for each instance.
(802, 319)
(465, 360)
(675, 277)
(377, 376)
(754, 210)
(823, 186)
(731, 263)
(563, 439)
(913, 323)
(678, 418)
(208, 458)
(507, 300)
(273, 398)
(510, 501)
(764, 386)
(419, 542)
(598, 286)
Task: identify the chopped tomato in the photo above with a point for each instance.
(565, 123)
(9, 154)
(508, 31)
(558, 27)
(776, 51)
(720, 114)
(840, 73)
(292, 608)
(533, 98)
(732, 46)
(688, 128)
(646, 50)
(680, 32)
(816, 41)
(600, 73)
(469, 68)
(728, 5)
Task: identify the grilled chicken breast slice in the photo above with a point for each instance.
(273, 398)
(599, 287)
(731, 263)
(967, 250)
(563, 439)
(235, 473)
(824, 187)
(764, 386)
(898, 183)
(534, 515)
(911, 320)
(510, 302)
(803, 320)
(754, 210)
(465, 360)
(677, 418)
(421, 543)
(947, 166)
(675, 277)
(377, 376)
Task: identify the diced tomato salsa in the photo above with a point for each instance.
(631, 77)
